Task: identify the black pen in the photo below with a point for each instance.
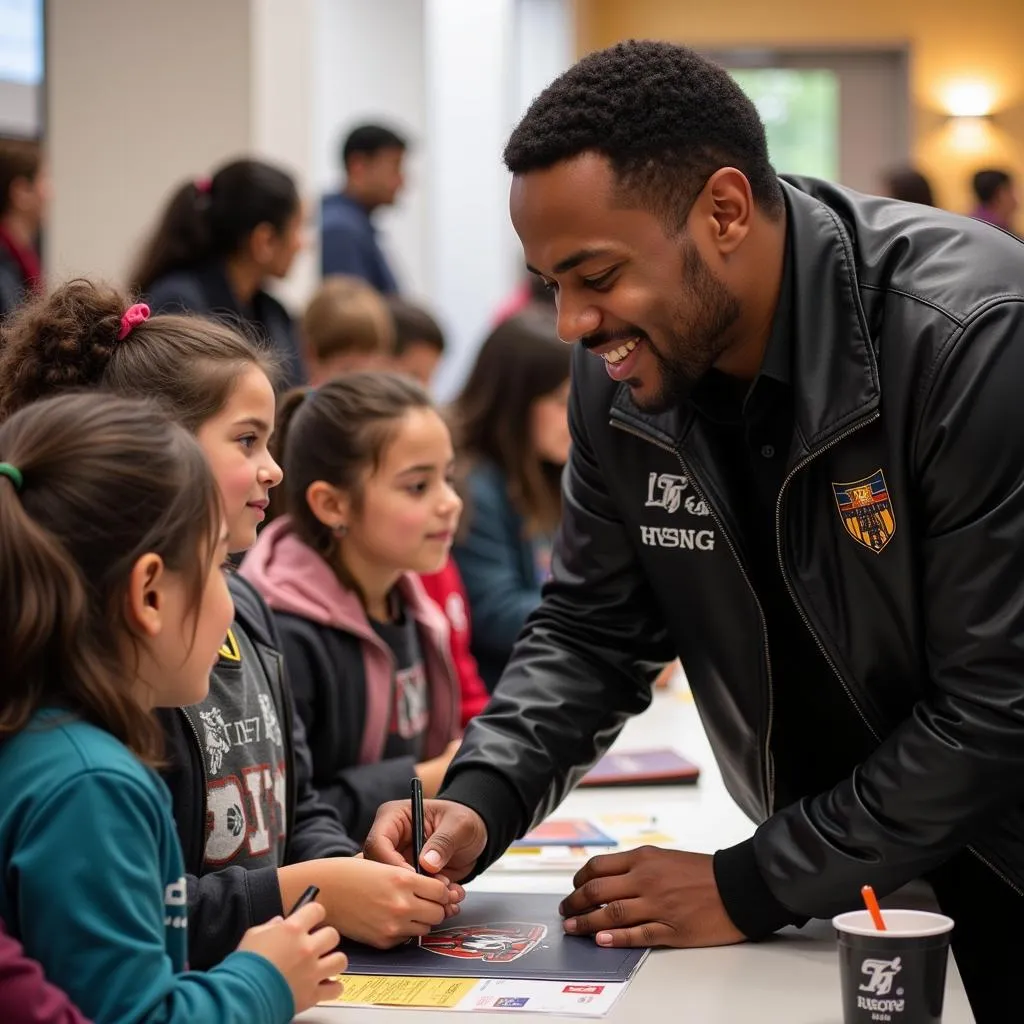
(417, 824)
(308, 896)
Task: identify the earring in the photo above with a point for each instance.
(340, 529)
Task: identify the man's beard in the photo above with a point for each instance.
(699, 335)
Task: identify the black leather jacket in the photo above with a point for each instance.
(900, 532)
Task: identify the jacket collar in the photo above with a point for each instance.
(835, 371)
(294, 579)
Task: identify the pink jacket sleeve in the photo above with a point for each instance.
(26, 996)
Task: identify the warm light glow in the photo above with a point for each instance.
(968, 99)
(969, 134)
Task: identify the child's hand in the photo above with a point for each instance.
(431, 773)
(303, 956)
(382, 905)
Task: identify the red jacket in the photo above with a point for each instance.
(25, 995)
(447, 589)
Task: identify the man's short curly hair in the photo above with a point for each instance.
(665, 118)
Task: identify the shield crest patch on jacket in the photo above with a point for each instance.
(866, 510)
(499, 943)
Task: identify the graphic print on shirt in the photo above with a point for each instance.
(411, 713)
(270, 722)
(217, 745)
(243, 749)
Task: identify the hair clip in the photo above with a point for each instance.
(133, 316)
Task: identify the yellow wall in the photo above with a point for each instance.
(949, 40)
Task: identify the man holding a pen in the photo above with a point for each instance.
(798, 465)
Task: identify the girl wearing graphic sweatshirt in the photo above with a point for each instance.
(111, 539)
(254, 832)
(370, 504)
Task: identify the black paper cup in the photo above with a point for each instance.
(898, 975)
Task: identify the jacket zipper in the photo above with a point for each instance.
(821, 647)
(785, 576)
(769, 763)
(202, 762)
(789, 589)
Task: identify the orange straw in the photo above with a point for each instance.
(871, 902)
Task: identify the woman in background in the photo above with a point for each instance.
(219, 242)
(511, 425)
(24, 195)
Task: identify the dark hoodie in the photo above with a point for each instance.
(207, 291)
(223, 903)
(342, 674)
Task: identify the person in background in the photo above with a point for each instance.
(369, 504)
(24, 196)
(218, 243)
(347, 327)
(25, 994)
(111, 542)
(532, 292)
(908, 185)
(419, 340)
(996, 195)
(512, 430)
(254, 831)
(372, 156)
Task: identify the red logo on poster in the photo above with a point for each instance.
(584, 990)
(492, 943)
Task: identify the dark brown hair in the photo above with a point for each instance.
(909, 185)
(414, 325)
(105, 481)
(68, 341)
(19, 158)
(522, 360)
(337, 433)
(347, 315)
(213, 219)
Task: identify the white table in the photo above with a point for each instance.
(792, 978)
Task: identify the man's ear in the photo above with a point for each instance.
(146, 600)
(330, 504)
(724, 210)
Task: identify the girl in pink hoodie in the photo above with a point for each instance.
(369, 505)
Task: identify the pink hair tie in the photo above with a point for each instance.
(203, 185)
(133, 316)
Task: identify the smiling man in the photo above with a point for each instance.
(798, 464)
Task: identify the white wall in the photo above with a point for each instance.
(144, 95)
(283, 88)
(469, 59)
(128, 118)
(369, 66)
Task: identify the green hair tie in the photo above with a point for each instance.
(13, 474)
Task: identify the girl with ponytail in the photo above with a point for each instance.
(370, 505)
(111, 539)
(217, 244)
(254, 831)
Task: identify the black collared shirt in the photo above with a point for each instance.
(817, 736)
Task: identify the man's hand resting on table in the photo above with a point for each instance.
(455, 837)
(649, 897)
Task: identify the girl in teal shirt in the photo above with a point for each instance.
(111, 539)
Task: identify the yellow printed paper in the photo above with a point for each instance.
(377, 990)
